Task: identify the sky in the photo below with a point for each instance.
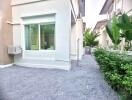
(93, 7)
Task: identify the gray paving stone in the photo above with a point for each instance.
(83, 82)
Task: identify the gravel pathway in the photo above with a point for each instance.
(80, 83)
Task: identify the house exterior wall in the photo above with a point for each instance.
(5, 32)
(73, 48)
(123, 5)
(80, 32)
(77, 40)
(76, 48)
(104, 40)
(62, 28)
(19, 2)
(127, 6)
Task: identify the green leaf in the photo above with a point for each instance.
(113, 30)
(90, 38)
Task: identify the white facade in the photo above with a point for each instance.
(126, 6)
(43, 11)
(121, 5)
(77, 40)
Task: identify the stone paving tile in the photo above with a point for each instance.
(83, 82)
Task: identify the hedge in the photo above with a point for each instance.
(117, 70)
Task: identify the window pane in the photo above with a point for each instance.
(31, 37)
(47, 36)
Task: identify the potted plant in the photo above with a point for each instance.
(90, 40)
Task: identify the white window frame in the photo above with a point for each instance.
(39, 39)
(38, 19)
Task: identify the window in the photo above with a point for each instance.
(31, 37)
(40, 36)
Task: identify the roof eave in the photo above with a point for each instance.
(106, 6)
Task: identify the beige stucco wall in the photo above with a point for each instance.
(104, 39)
(5, 32)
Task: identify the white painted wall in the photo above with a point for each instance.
(80, 37)
(16, 2)
(123, 4)
(119, 4)
(127, 5)
(73, 42)
(77, 40)
(62, 10)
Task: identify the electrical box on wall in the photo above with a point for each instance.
(14, 50)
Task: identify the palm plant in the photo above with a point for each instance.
(113, 31)
(90, 38)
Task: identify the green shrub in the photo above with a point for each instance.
(117, 69)
(127, 79)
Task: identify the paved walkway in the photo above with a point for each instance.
(80, 83)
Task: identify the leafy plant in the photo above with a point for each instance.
(90, 38)
(124, 22)
(117, 70)
(127, 79)
(125, 25)
(113, 31)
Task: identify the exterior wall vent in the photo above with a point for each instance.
(14, 50)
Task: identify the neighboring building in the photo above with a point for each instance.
(104, 40)
(5, 32)
(111, 7)
(50, 32)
